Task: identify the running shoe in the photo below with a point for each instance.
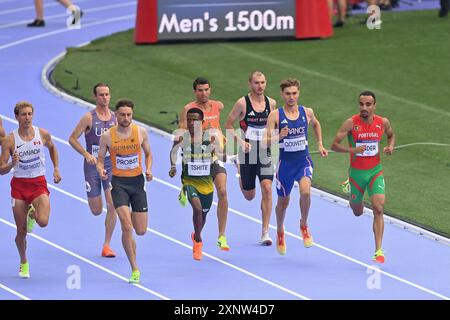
(306, 235)
(182, 197)
(30, 221)
(135, 277)
(76, 16)
(222, 243)
(36, 23)
(345, 186)
(107, 252)
(265, 239)
(378, 256)
(196, 248)
(281, 244)
(24, 270)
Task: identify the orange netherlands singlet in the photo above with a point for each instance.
(212, 117)
(369, 135)
(126, 155)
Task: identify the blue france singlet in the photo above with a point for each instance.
(295, 145)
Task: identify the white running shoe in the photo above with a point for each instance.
(265, 239)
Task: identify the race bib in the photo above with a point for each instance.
(95, 150)
(371, 148)
(127, 162)
(31, 164)
(295, 144)
(199, 169)
(253, 133)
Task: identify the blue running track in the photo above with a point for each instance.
(337, 267)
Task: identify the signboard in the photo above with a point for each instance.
(207, 19)
(168, 20)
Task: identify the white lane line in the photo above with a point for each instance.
(273, 227)
(422, 143)
(322, 247)
(273, 284)
(21, 296)
(251, 274)
(48, 34)
(20, 9)
(92, 263)
(358, 86)
(55, 16)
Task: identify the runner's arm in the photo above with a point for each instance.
(271, 131)
(390, 137)
(7, 147)
(341, 134)
(236, 113)
(81, 127)
(148, 154)
(273, 104)
(2, 132)
(317, 131)
(182, 124)
(105, 139)
(48, 142)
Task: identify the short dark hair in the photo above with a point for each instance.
(100, 84)
(124, 103)
(290, 82)
(198, 81)
(368, 93)
(196, 111)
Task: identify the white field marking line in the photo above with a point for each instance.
(48, 34)
(21, 296)
(438, 144)
(334, 79)
(32, 7)
(323, 247)
(277, 286)
(422, 143)
(274, 228)
(115, 6)
(77, 256)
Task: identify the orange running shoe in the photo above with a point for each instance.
(378, 256)
(306, 235)
(107, 252)
(196, 248)
(281, 244)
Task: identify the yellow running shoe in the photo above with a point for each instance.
(222, 243)
(281, 244)
(24, 270)
(182, 197)
(30, 221)
(345, 186)
(135, 277)
(306, 235)
(378, 256)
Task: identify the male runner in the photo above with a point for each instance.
(289, 126)
(252, 111)
(25, 146)
(364, 132)
(93, 124)
(125, 143)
